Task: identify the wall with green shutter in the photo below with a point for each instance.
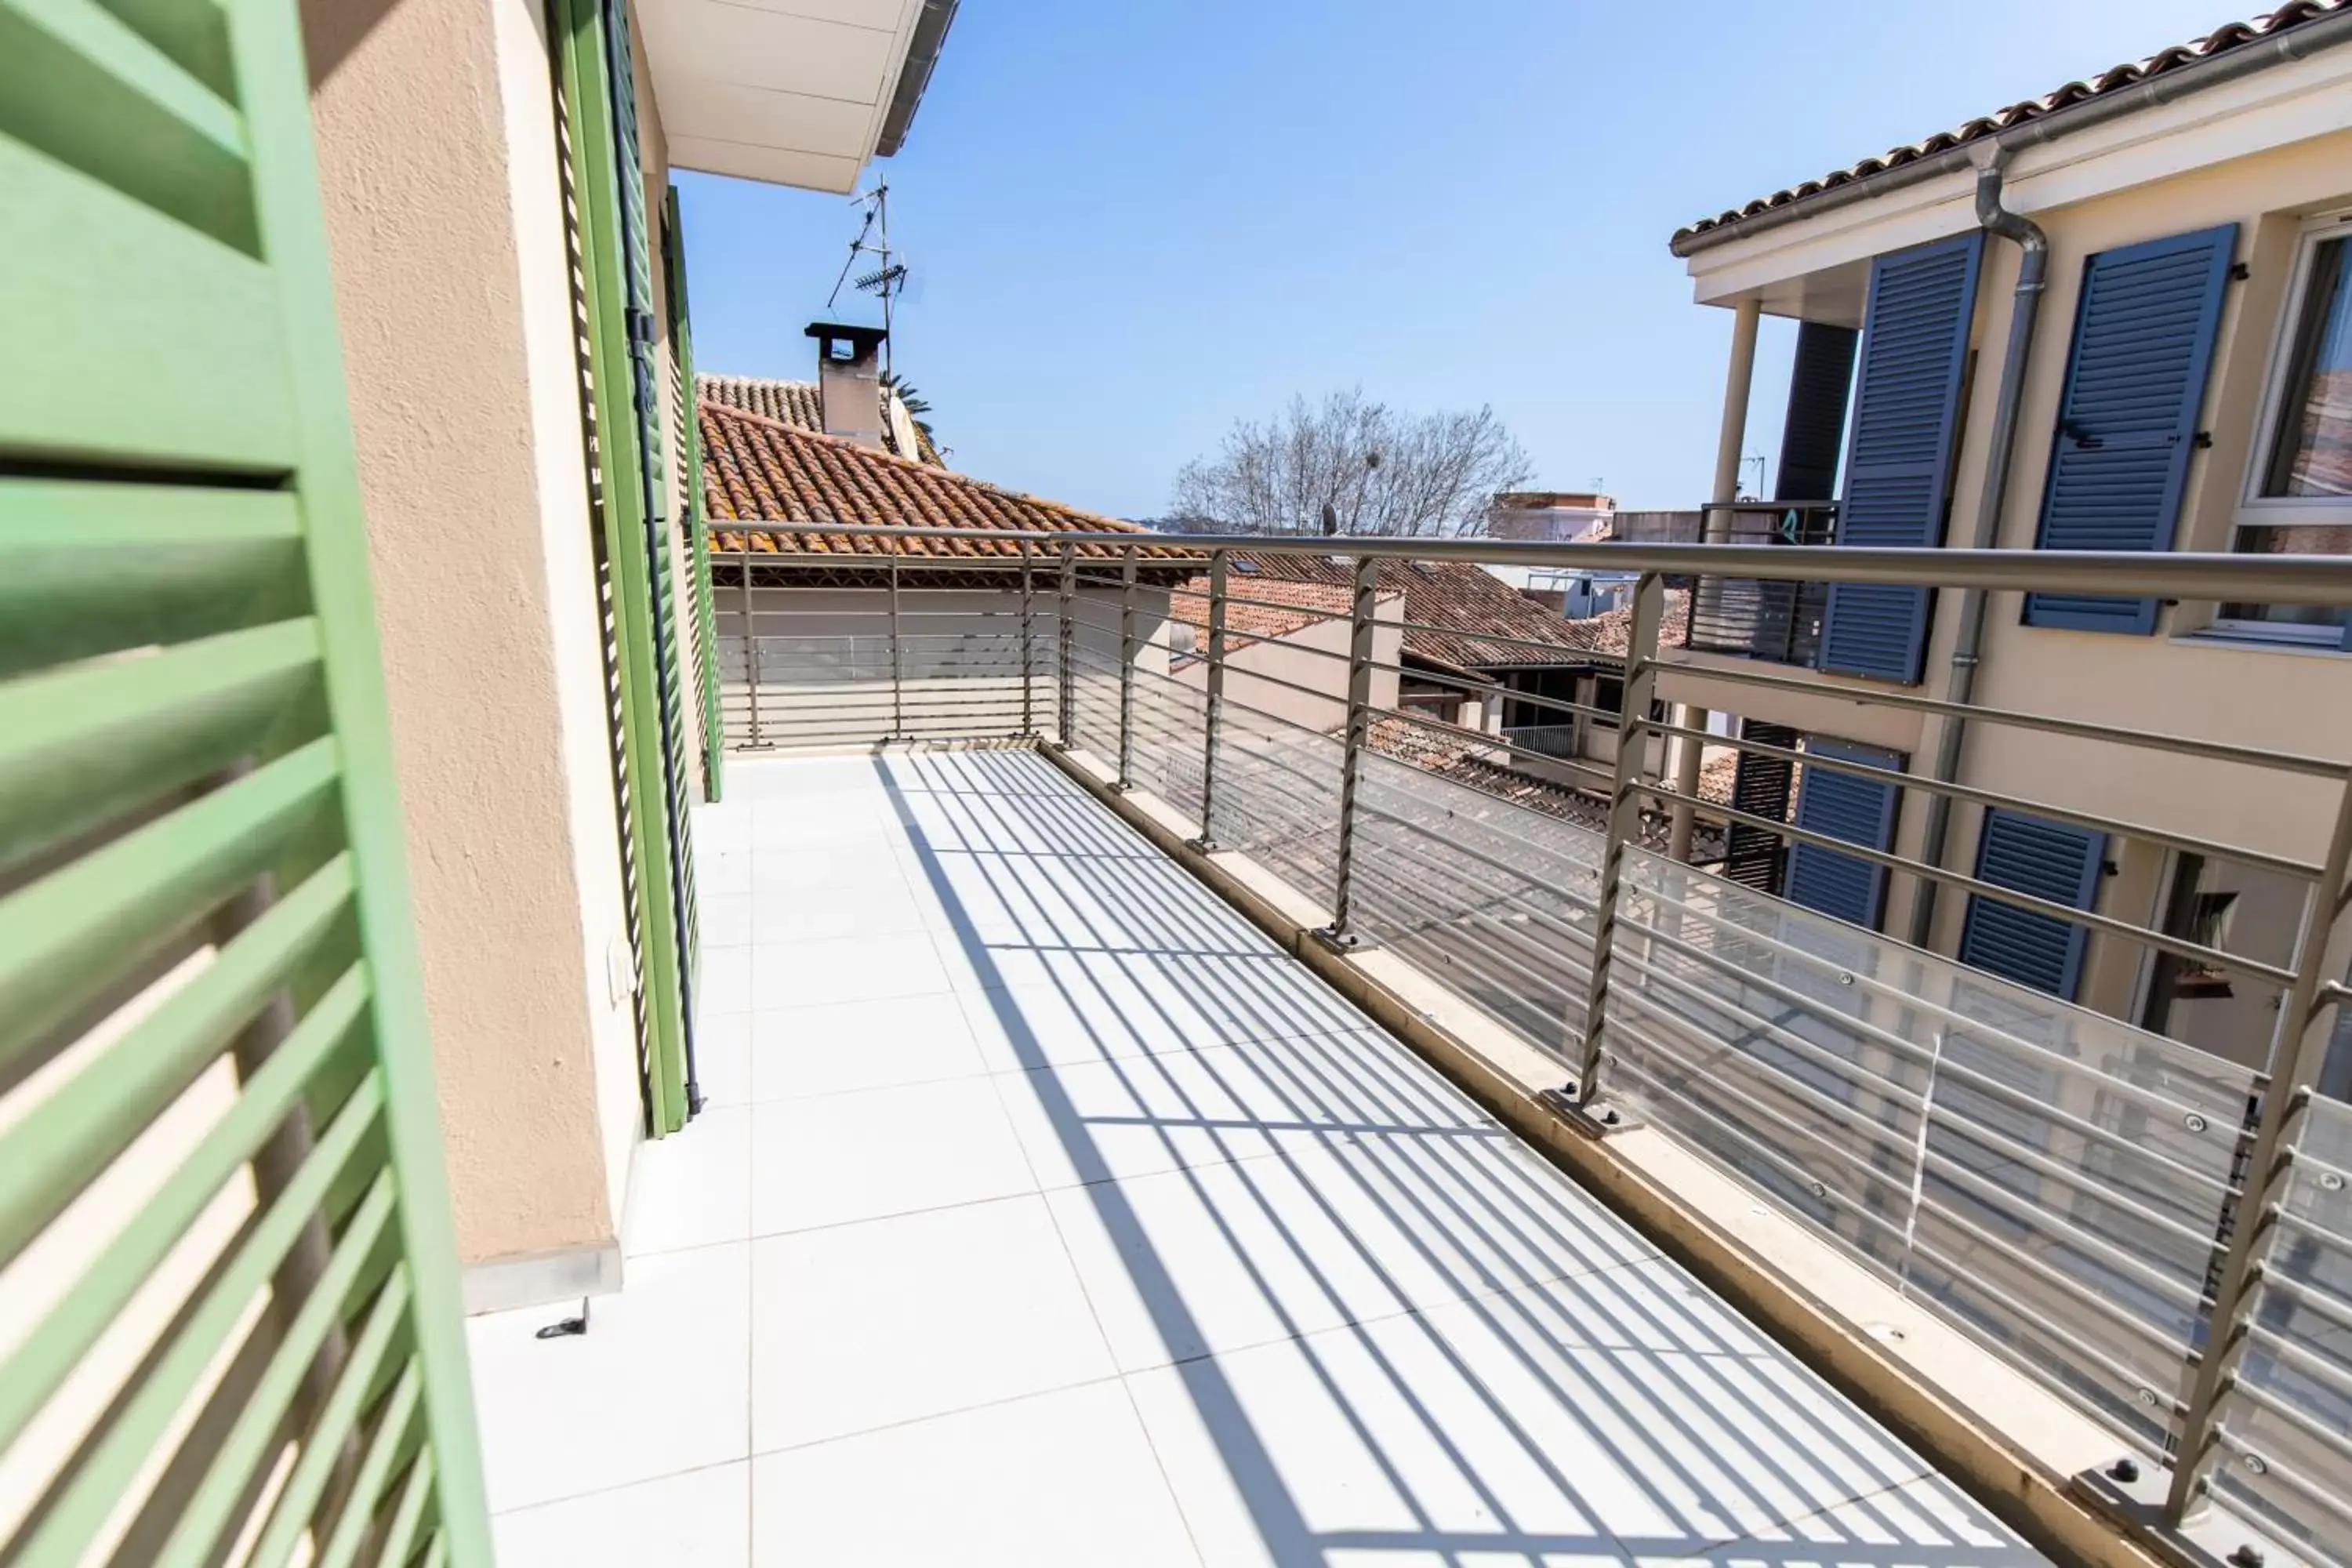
(226, 1149)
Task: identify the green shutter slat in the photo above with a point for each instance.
(706, 631)
(90, 568)
(79, 85)
(86, 1125)
(58, 1342)
(67, 936)
(194, 753)
(139, 1424)
(121, 283)
(408, 1513)
(2135, 375)
(307, 1483)
(263, 1409)
(1915, 350)
(94, 740)
(358, 1510)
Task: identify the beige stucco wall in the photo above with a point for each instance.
(434, 127)
(2268, 698)
(1264, 675)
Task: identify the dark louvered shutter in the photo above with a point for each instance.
(2127, 422)
(1849, 806)
(1915, 351)
(2052, 860)
(1821, 382)
(1755, 856)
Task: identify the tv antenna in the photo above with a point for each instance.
(885, 274)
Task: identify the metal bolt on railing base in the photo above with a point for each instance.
(1598, 1119)
(2132, 1494)
(1205, 845)
(1339, 940)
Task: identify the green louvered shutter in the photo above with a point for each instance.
(600, 100)
(223, 1213)
(701, 617)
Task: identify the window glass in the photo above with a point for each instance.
(2311, 451)
(2238, 910)
(2293, 541)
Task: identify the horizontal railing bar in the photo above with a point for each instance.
(1510, 694)
(2213, 750)
(2181, 575)
(1551, 919)
(2336, 1376)
(2329, 1500)
(2004, 1200)
(2296, 868)
(2094, 921)
(1603, 662)
(1582, 902)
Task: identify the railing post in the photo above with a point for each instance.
(1351, 760)
(1066, 642)
(751, 651)
(2298, 1050)
(1126, 669)
(1028, 633)
(1624, 816)
(1213, 712)
(898, 693)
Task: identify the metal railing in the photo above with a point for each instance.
(2157, 1232)
(1774, 619)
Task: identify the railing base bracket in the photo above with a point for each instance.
(2131, 1493)
(1205, 845)
(1596, 1120)
(1339, 940)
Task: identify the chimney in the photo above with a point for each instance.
(849, 380)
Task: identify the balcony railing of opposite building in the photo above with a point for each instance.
(1775, 619)
(2158, 1234)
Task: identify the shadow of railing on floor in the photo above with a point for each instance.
(1682, 1408)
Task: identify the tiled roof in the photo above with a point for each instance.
(1301, 604)
(798, 404)
(758, 469)
(2235, 34)
(1472, 607)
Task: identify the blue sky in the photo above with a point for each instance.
(1133, 223)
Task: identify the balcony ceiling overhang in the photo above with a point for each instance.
(791, 92)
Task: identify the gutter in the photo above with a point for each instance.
(2215, 70)
(930, 35)
(1959, 683)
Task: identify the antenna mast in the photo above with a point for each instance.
(888, 278)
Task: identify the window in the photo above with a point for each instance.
(2299, 494)
(2245, 911)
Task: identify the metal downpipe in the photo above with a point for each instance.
(1959, 683)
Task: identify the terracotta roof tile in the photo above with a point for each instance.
(1472, 608)
(764, 470)
(1302, 603)
(2113, 79)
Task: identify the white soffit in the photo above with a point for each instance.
(792, 92)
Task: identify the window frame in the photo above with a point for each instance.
(2256, 510)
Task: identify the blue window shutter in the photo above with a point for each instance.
(1856, 809)
(2050, 860)
(1898, 464)
(2128, 421)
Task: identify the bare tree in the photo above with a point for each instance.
(1366, 467)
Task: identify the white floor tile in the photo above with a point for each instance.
(725, 986)
(1089, 1121)
(703, 1517)
(856, 909)
(1060, 1481)
(1078, 1016)
(722, 1061)
(859, 1156)
(862, 1326)
(694, 1187)
(800, 1052)
(1926, 1520)
(725, 918)
(844, 969)
(658, 1385)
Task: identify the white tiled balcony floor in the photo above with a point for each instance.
(1046, 1215)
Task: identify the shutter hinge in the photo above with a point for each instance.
(2204, 440)
(2240, 272)
(641, 326)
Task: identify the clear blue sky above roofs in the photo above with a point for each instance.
(1133, 223)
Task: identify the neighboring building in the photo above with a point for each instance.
(505, 296)
(791, 455)
(2183, 386)
(1556, 517)
(1286, 652)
